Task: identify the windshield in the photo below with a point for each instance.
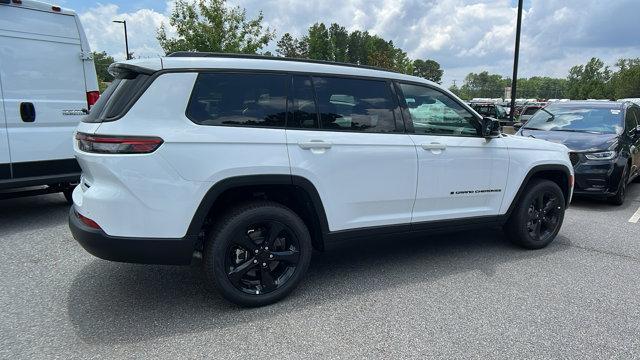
(583, 119)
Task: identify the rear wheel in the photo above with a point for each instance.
(536, 220)
(258, 253)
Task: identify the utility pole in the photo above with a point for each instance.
(126, 38)
(514, 80)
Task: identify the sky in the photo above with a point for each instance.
(462, 35)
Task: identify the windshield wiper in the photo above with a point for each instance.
(574, 130)
(531, 128)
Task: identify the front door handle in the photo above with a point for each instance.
(434, 146)
(314, 144)
(27, 112)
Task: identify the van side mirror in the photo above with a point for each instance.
(490, 127)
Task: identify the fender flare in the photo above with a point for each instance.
(221, 186)
(532, 172)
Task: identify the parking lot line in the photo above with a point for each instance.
(635, 217)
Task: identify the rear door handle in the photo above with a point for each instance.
(27, 112)
(434, 146)
(314, 144)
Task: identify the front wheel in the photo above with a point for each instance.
(258, 253)
(538, 216)
(621, 193)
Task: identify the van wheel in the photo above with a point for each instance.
(618, 198)
(537, 218)
(258, 253)
(68, 194)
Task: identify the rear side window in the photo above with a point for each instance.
(303, 111)
(355, 104)
(235, 99)
(115, 100)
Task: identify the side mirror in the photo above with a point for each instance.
(490, 127)
(638, 130)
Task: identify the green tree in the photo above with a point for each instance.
(102, 61)
(210, 25)
(626, 81)
(589, 81)
(428, 69)
(288, 46)
(483, 85)
(339, 38)
(319, 44)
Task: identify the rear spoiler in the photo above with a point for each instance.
(127, 71)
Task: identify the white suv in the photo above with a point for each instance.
(250, 162)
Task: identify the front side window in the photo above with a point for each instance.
(631, 119)
(435, 113)
(355, 104)
(237, 99)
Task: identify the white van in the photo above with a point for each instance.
(47, 83)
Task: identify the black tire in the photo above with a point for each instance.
(227, 252)
(538, 216)
(621, 193)
(68, 194)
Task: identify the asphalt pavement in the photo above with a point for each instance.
(463, 295)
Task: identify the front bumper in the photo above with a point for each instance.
(597, 178)
(131, 250)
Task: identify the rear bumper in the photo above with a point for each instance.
(131, 250)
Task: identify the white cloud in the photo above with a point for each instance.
(463, 35)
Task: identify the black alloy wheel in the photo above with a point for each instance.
(543, 216)
(262, 257)
(257, 253)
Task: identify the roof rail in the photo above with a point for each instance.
(266, 57)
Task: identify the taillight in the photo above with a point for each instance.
(92, 98)
(90, 223)
(107, 144)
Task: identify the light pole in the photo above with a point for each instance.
(514, 80)
(126, 39)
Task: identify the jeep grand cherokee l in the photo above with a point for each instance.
(251, 162)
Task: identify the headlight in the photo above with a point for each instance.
(604, 155)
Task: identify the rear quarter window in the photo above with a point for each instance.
(237, 99)
(115, 100)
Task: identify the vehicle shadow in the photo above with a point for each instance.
(33, 212)
(110, 303)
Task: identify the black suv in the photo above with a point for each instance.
(604, 138)
(491, 110)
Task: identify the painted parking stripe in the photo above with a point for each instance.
(635, 217)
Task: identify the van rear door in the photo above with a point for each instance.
(43, 80)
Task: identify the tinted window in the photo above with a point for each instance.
(631, 118)
(114, 100)
(530, 110)
(239, 99)
(355, 104)
(303, 110)
(433, 112)
(578, 118)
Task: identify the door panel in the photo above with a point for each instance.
(464, 179)
(363, 179)
(363, 170)
(460, 173)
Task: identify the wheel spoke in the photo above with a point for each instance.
(291, 256)
(266, 280)
(236, 274)
(539, 202)
(275, 230)
(551, 204)
(536, 230)
(246, 242)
